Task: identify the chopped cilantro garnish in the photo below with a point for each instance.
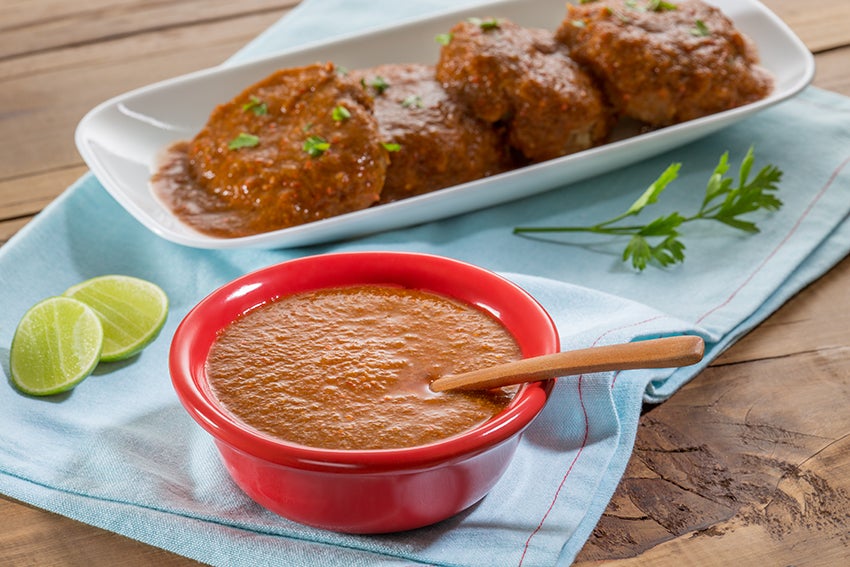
(486, 25)
(700, 29)
(443, 38)
(243, 140)
(391, 146)
(256, 106)
(315, 146)
(340, 113)
(412, 101)
(661, 6)
(651, 6)
(378, 83)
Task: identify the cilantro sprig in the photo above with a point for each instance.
(658, 242)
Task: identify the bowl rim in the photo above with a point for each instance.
(196, 332)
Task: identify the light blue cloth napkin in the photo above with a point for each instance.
(120, 453)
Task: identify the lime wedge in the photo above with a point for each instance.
(56, 345)
(131, 310)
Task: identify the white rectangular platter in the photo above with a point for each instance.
(122, 138)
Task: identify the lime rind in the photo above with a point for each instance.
(132, 312)
(56, 345)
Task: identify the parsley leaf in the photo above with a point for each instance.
(652, 193)
(391, 146)
(658, 242)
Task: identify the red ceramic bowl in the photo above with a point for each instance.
(370, 491)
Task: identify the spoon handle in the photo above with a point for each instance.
(667, 352)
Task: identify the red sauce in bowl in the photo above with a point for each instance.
(349, 367)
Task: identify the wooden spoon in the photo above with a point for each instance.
(668, 352)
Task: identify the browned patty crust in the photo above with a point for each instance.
(302, 159)
(665, 62)
(524, 78)
(439, 143)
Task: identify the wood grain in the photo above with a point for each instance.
(748, 464)
(58, 60)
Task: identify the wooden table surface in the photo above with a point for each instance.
(734, 469)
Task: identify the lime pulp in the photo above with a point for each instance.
(131, 310)
(56, 345)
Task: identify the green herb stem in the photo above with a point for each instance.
(722, 203)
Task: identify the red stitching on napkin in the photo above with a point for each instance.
(773, 253)
(583, 441)
(779, 246)
(566, 474)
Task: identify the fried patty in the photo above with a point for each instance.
(437, 143)
(298, 146)
(665, 62)
(525, 79)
